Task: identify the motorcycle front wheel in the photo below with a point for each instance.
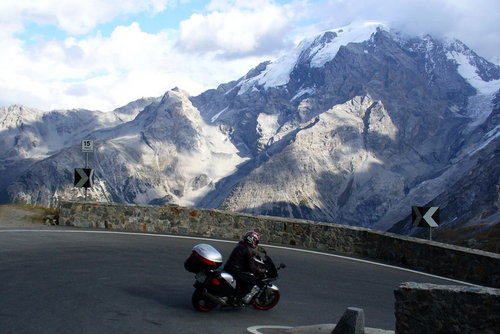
(266, 300)
(200, 302)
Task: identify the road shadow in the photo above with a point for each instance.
(162, 294)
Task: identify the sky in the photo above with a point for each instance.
(102, 54)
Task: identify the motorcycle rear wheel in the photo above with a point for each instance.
(266, 300)
(200, 302)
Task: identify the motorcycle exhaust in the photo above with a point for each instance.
(215, 299)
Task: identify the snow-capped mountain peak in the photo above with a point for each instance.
(315, 51)
(354, 126)
(325, 47)
(481, 74)
(16, 115)
(169, 144)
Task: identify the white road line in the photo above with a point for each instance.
(255, 329)
(233, 242)
(376, 263)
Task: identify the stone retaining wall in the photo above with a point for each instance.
(460, 263)
(429, 308)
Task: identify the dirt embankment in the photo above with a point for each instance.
(20, 215)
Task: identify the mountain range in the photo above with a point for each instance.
(354, 126)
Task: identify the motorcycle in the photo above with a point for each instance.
(215, 287)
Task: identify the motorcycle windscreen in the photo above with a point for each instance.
(272, 272)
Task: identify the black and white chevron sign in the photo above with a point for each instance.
(84, 177)
(423, 216)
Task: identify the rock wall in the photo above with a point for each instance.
(455, 262)
(429, 308)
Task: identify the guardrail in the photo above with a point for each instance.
(450, 261)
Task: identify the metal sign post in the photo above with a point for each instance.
(87, 147)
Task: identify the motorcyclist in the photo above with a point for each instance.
(242, 266)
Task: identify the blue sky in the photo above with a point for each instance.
(150, 21)
(102, 54)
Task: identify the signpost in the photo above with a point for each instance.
(423, 216)
(87, 146)
(84, 177)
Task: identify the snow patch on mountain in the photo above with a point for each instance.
(354, 33)
(320, 50)
(480, 105)
(471, 73)
(489, 137)
(276, 74)
(304, 91)
(267, 127)
(216, 116)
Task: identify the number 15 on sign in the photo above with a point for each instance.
(87, 146)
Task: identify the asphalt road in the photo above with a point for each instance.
(67, 281)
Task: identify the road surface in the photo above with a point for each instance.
(68, 280)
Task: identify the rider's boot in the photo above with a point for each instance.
(248, 298)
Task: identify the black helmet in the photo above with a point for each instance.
(252, 238)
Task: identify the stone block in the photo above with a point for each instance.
(352, 322)
(430, 308)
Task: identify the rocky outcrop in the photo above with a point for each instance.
(365, 165)
(327, 171)
(162, 156)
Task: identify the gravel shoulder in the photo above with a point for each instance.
(22, 216)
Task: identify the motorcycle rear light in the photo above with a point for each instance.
(215, 281)
(204, 260)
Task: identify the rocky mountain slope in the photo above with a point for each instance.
(354, 126)
(393, 122)
(164, 155)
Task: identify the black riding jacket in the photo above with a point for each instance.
(241, 260)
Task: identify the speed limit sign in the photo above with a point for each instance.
(87, 146)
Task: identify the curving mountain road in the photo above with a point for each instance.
(76, 281)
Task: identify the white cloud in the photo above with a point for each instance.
(218, 44)
(476, 23)
(239, 28)
(94, 72)
(106, 72)
(74, 16)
